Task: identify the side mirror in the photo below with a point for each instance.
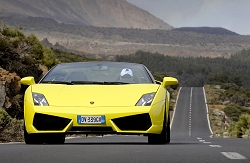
(28, 80)
(158, 82)
(167, 81)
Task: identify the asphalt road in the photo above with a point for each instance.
(191, 142)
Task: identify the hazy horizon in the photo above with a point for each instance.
(232, 15)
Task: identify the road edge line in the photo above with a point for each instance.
(209, 123)
(172, 119)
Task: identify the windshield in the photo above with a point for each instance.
(98, 73)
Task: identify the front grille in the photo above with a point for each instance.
(93, 130)
(48, 122)
(140, 122)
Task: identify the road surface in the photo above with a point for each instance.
(191, 142)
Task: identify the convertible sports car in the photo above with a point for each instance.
(96, 98)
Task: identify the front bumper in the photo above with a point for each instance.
(121, 120)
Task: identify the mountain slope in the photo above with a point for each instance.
(102, 13)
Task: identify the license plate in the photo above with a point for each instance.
(90, 119)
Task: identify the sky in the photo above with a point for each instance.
(233, 15)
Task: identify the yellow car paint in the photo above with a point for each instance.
(112, 101)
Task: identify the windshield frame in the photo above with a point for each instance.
(104, 68)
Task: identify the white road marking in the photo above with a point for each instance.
(204, 93)
(215, 146)
(190, 115)
(11, 143)
(233, 155)
(175, 108)
(203, 141)
(70, 137)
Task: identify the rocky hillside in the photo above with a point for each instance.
(101, 13)
(99, 41)
(208, 30)
(110, 41)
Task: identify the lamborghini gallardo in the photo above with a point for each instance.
(96, 98)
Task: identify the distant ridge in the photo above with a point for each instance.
(100, 13)
(208, 30)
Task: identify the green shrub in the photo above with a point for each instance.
(11, 32)
(234, 111)
(5, 119)
(37, 47)
(235, 94)
(11, 129)
(65, 57)
(232, 130)
(243, 125)
(15, 41)
(231, 86)
(4, 43)
(49, 58)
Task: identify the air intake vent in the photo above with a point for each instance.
(141, 122)
(48, 122)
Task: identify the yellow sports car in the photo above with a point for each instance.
(96, 98)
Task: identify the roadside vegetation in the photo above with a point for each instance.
(229, 110)
(197, 71)
(22, 56)
(11, 129)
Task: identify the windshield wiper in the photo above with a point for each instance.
(98, 82)
(58, 82)
(85, 82)
(115, 83)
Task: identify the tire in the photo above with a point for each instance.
(55, 138)
(32, 138)
(163, 137)
(168, 129)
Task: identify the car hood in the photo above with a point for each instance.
(94, 95)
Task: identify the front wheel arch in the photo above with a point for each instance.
(164, 136)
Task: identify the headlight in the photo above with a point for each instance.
(39, 99)
(146, 100)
